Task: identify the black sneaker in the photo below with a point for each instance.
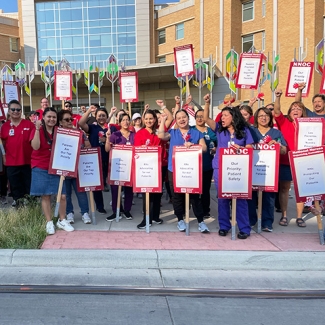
(127, 215)
(112, 217)
(158, 221)
(242, 235)
(142, 225)
(102, 211)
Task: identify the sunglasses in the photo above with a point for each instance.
(68, 119)
(15, 109)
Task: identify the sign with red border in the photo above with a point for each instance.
(129, 87)
(90, 173)
(187, 169)
(147, 170)
(65, 152)
(10, 91)
(309, 132)
(235, 173)
(2, 112)
(184, 60)
(322, 84)
(308, 172)
(265, 172)
(299, 72)
(62, 85)
(120, 165)
(249, 70)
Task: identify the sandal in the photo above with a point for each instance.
(300, 222)
(283, 221)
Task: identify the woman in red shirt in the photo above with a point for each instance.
(43, 183)
(147, 137)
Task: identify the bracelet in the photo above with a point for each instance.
(163, 107)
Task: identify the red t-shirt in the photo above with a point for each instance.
(41, 157)
(288, 130)
(144, 138)
(16, 142)
(40, 111)
(76, 119)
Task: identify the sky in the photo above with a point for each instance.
(11, 5)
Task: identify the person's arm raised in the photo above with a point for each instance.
(277, 105)
(161, 131)
(36, 142)
(301, 87)
(165, 111)
(83, 121)
(108, 140)
(206, 112)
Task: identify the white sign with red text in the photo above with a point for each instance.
(309, 132)
(184, 60)
(129, 87)
(62, 85)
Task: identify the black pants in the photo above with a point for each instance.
(155, 199)
(3, 183)
(179, 202)
(206, 186)
(19, 179)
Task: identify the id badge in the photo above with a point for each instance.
(207, 137)
(128, 143)
(11, 132)
(230, 143)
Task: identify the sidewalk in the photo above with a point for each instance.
(125, 235)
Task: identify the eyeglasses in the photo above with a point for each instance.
(296, 108)
(15, 109)
(263, 116)
(45, 102)
(271, 109)
(199, 117)
(68, 119)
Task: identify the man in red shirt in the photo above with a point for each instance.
(76, 117)
(44, 104)
(15, 135)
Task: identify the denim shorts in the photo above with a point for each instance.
(285, 173)
(44, 183)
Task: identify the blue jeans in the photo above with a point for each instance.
(81, 196)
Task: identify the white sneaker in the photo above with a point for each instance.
(70, 217)
(85, 218)
(50, 230)
(65, 225)
(14, 203)
(203, 227)
(181, 225)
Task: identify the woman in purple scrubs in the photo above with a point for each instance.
(231, 130)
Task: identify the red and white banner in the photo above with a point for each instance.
(128, 87)
(308, 172)
(249, 70)
(265, 173)
(90, 173)
(65, 152)
(322, 84)
(62, 85)
(235, 173)
(309, 132)
(2, 112)
(120, 165)
(147, 170)
(11, 92)
(299, 72)
(184, 60)
(187, 169)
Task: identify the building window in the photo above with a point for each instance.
(162, 36)
(263, 8)
(13, 44)
(263, 41)
(248, 10)
(247, 42)
(162, 59)
(179, 31)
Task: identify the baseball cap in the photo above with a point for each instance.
(135, 116)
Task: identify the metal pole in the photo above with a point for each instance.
(113, 95)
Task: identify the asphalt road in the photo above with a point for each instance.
(35, 309)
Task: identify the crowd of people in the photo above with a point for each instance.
(26, 150)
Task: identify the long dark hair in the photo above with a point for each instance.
(267, 112)
(238, 122)
(47, 137)
(152, 112)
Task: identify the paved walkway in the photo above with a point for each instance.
(125, 235)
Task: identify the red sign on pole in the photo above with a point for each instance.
(146, 170)
(308, 172)
(120, 165)
(62, 85)
(90, 173)
(129, 87)
(249, 70)
(235, 173)
(299, 72)
(184, 60)
(265, 173)
(309, 132)
(65, 152)
(187, 167)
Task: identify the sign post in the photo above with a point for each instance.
(235, 178)
(146, 179)
(187, 176)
